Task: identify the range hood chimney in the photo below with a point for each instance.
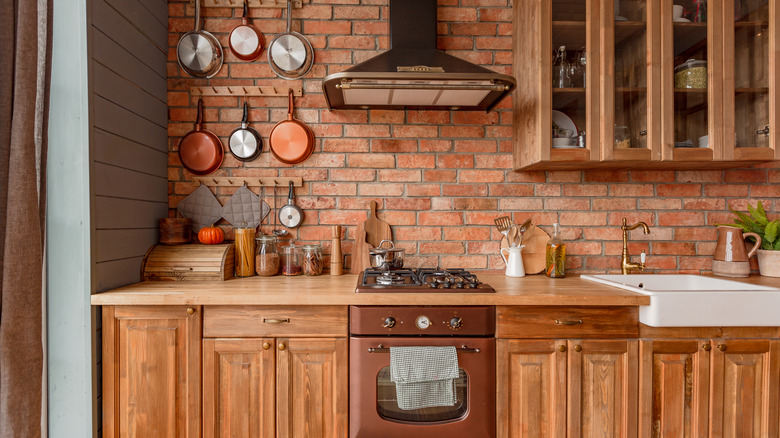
(413, 74)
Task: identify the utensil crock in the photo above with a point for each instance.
(513, 258)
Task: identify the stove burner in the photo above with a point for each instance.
(420, 280)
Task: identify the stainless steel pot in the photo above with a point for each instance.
(199, 52)
(386, 259)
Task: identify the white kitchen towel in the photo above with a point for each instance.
(424, 376)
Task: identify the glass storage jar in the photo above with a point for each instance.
(291, 260)
(312, 259)
(266, 256)
(244, 250)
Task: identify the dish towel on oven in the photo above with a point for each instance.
(424, 376)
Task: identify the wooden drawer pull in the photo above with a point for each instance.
(571, 322)
(275, 321)
(190, 311)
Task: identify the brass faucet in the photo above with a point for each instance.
(625, 264)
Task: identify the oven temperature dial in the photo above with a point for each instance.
(456, 323)
(423, 322)
(389, 322)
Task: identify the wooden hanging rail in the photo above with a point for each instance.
(245, 90)
(252, 3)
(237, 181)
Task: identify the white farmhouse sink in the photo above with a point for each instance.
(698, 301)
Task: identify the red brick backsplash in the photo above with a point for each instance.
(441, 177)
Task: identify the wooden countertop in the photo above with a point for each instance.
(340, 290)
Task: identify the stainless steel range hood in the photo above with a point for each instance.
(413, 74)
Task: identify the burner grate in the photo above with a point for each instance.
(420, 280)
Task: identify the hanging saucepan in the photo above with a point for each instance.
(199, 52)
(200, 151)
(290, 54)
(291, 141)
(245, 143)
(245, 41)
(291, 215)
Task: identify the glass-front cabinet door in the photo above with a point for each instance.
(634, 89)
(750, 85)
(692, 71)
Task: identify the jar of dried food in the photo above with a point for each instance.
(245, 250)
(312, 259)
(266, 256)
(291, 260)
(691, 74)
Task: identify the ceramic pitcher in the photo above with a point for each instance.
(513, 258)
(731, 257)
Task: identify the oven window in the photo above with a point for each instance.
(387, 405)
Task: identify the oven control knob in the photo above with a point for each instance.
(456, 323)
(389, 322)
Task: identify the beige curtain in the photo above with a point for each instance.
(25, 54)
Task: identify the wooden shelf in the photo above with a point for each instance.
(568, 33)
(246, 90)
(630, 90)
(265, 181)
(739, 24)
(691, 90)
(626, 30)
(252, 3)
(759, 90)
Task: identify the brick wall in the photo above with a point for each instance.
(442, 177)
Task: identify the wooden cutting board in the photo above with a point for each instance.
(535, 241)
(375, 231)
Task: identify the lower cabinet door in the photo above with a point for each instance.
(602, 388)
(531, 386)
(238, 388)
(745, 388)
(151, 371)
(312, 387)
(674, 384)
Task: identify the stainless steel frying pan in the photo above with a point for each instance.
(290, 54)
(199, 52)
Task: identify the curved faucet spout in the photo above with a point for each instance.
(625, 264)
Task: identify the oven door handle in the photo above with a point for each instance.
(381, 349)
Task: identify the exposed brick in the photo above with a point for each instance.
(455, 161)
(442, 248)
(524, 204)
(416, 161)
(745, 175)
(371, 160)
(439, 175)
(393, 146)
(466, 233)
(583, 219)
(392, 175)
(475, 204)
(660, 204)
(674, 219)
(464, 190)
(610, 204)
(632, 190)
(385, 189)
(726, 190)
(567, 204)
(585, 190)
(675, 190)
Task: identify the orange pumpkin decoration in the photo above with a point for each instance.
(211, 235)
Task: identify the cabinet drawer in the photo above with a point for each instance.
(257, 321)
(567, 322)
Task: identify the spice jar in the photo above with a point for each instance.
(245, 250)
(291, 260)
(312, 259)
(266, 256)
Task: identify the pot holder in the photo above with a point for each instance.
(245, 206)
(202, 207)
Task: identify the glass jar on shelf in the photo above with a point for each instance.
(266, 256)
(561, 69)
(312, 259)
(291, 260)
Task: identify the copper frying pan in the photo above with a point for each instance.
(291, 141)
(201, 151)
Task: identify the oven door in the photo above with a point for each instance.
(374, 411)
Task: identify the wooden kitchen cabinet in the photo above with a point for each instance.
(294, 385)
(151, 371)
(580, 385)
(632, 109)
(703, 387)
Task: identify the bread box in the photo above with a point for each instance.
(192, 262)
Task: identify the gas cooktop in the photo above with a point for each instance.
(420, 281)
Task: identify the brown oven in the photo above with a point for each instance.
(373, 408)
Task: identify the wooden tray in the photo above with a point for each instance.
(191, 262)
(534, 252)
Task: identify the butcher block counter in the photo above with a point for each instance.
(340, 290)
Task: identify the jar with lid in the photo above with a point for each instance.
(291, 260)
(245, 250)
(312, 259)
(266, 256)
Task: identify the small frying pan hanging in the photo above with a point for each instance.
(291, 215)
(199, 52)
(200, 151)
(245, 143)
(290, 54)
(291, 141)
(245, 41)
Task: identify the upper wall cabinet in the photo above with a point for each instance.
(672, 84)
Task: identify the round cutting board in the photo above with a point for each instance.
(535, 242)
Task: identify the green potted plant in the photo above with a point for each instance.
(755, 221)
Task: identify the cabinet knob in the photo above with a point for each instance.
(281, 346)
(578, 348)
(722, 347)
(190, 311)
(562, 348)
(266, 345)
(707, 347)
